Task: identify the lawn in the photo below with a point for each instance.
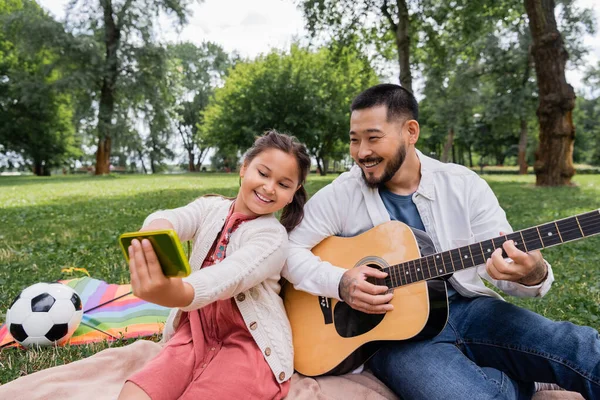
(48, 224)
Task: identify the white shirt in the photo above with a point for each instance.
(456, 206)
(250, 274)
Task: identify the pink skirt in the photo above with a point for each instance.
(211, 355)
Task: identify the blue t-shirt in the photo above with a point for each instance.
(402, 208)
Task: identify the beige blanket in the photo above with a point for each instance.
(91, 379)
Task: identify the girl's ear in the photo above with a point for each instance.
(243, 170)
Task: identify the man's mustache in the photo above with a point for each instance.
(367, 160)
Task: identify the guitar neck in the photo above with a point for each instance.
(447, 262)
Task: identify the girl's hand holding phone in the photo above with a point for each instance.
(148, 281)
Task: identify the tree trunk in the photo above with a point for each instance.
(402, 35)
(103, 155)
(189, 145)
(454, 160)
(152, 165)
(192, 164)
(39, 168)
(320, 169)
(500, 157)
(142, 161)
(448, 146)
(106, 108)
(523, 147)
(325, 165)
(403, 43)
(554, 156)
(470, 157)
(201, 157)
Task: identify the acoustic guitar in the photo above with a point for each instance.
(332, 338)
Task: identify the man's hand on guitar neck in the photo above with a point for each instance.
(362, 295)
(528, 269)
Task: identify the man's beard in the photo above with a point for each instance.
(390, 170)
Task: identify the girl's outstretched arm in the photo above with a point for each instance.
(158, 224)
(259, 256)
(184, 220)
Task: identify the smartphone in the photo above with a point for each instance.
(167, 247)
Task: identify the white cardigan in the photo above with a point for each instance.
(249, 273)
(456, 206)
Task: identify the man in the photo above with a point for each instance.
(489, 349)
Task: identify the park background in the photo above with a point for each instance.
(110, 110)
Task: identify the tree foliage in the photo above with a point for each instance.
(103, 80)
(124, 29)
(201, 69)
(302, 92)
(36, 110)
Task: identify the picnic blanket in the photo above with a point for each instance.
(110, 312)
(102, 375)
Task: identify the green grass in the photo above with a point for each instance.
(47, 224)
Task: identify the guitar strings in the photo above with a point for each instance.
(413, 272)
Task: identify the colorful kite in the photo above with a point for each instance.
(110, 312)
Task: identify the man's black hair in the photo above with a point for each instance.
(399, 101)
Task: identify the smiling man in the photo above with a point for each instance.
(489, 349)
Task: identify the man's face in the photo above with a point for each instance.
(377, 145)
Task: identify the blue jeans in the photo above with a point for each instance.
(491, 349)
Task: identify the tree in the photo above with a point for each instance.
(305, 93)
(123, 27)
(480, 61)
(587, 144)
(456, 61)
(201, 69)
(36, 112)
(402, 29)
(508, 93)
(153, 94)
(554, 157)
(376, 20)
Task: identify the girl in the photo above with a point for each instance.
(228, 337)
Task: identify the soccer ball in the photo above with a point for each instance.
(44, 314)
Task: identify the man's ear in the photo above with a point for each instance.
(413, 128)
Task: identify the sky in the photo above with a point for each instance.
(252, 27)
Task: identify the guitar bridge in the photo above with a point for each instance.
(325, 304)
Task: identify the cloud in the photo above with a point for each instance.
(253, 18)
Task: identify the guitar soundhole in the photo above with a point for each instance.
(350, 322)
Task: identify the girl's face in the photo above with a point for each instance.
(269, 182)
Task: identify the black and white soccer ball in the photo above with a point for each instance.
(44, 314)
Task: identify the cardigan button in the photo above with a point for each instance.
(268, 351)
(281, 376)
(253, 325)
(241, 297)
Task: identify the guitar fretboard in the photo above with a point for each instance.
(538, 237)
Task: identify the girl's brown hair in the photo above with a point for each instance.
(292, 214)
